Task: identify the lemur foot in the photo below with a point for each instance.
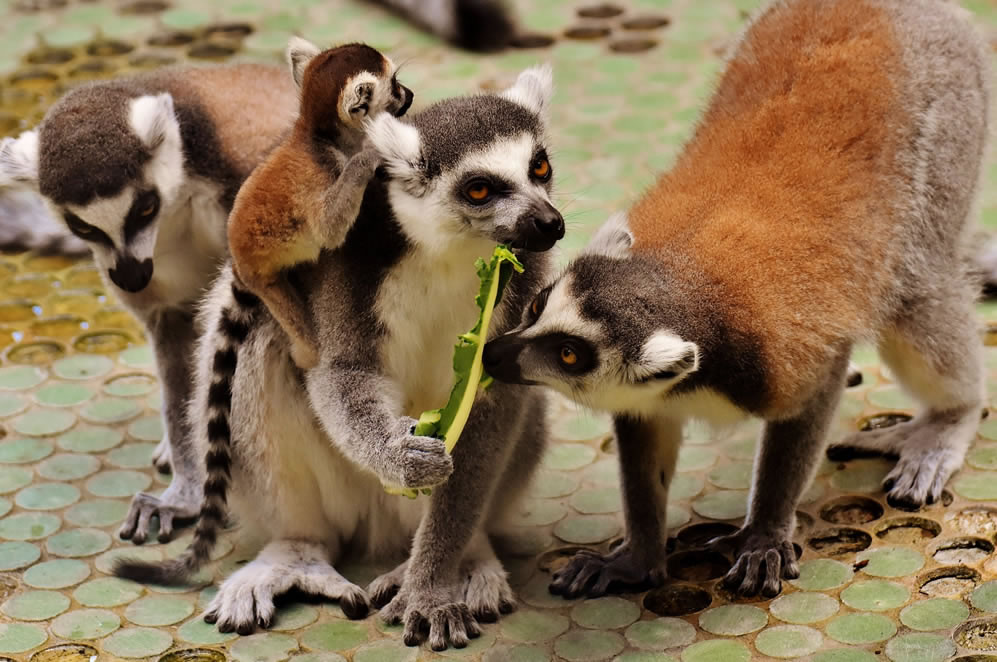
(245, 600)
(179, 503)
(487, 591)
(763, 560)
(385, 587)
(929, 449)
(162, 456)
(590, 574)
(415, 462)
(439, 612)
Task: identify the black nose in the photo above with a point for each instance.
(499, 360)
(131, 275)
(539, 228)
(408, 96)
(550, 225)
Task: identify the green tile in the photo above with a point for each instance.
(47, 496)
(21, 377)
(78, 542)
(13, 478)
(107, 592)
(132, 456)
(735, 476)
(138, 642)
(891, 561)
(733, 620)
(82, 366)
(111, 410)
(130, 386)
(588, 645)
(861, 628)
(567, 457)
(660, 634)
(875, 595)
(547, 484)
(983, 457)
(88, 439)
(533, 627)
(716, 650)
(147, 428)
(334, 636)
(845, 655)
(68, 466)
(269, 646)
(44, 422)
(695, 458)
(97, 512)
(605, 613)
(587, 529)
(17, 555)
(59, 573)
(386, 650)
(86, 624)
(980, 486)
(29, 526)
(722, 504)
(294, 617)
(803, 607)
(788, 641)
(20, 637)
(864, 476)
(597, 500)
(11, 404)
(118, 483)
(984, 597)
(23, 451)
(196, 631)
(36, 605)
(684, 486)
(63, 394)
(934, 614)
(519, 653)
(159, 610)
(920, 647)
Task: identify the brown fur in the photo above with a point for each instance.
(281, 214)
(784, 196)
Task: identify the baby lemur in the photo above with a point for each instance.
(824, 199)
(144, 170)
(305, 196)
(315, 446)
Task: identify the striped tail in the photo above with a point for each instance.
(235, 324)
(477, 25)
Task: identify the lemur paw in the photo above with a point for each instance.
(487, 591)
(763, 560)
(591, 574)
(162, 456)
(385, 587)
(417, 462)
(448, 621)
(180, 502)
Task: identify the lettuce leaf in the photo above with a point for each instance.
(448, 422)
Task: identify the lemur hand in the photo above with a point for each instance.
(414, 462)
(590, 574)
(763, 560)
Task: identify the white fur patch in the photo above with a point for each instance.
(613, 239)
(299, 53)
(533, 89)
(561, 315)
(398, 143)
(153, 120)
(19, 160)
(666, 351)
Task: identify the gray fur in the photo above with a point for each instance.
(924, 326)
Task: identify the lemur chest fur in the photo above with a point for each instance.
(424, 304)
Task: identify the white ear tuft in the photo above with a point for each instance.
(533, 89)
(613, 239)
(153, 119)
(299, 53)
(398, 144)
(667, 357)
(19, 160)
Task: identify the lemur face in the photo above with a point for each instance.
(110, 178)
(595, 337)
(495, 186)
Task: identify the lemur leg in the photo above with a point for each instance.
(433, 593)
(385, 587)
(344, 198)
(486, 584)
(935, 353)
(245, 600)
(786, 461)
(648, 451)
(173, 335)
(289, 309)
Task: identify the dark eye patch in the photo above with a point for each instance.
(552, 344)
(85, 231)
(497, 186)
(142, 213)
(539, 302)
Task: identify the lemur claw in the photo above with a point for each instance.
(590, 574)
(762, 562)
(178, 503)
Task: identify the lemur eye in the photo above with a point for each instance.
(535, 307)
(148, 208)
(541, 169)
(568, 356)
(478, 192)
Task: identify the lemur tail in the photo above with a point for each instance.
(26, 224)
(478, 25)
(234, 326)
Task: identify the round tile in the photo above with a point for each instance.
(158, 610)
(605, 613)
(270, 646)
(86, 624)
(63, 395)
(684, 486)
(111, 410)
(539, 512)
(147, 428)
(68, 466)
(532, 627)
(29, 526)
(583, 426)
(107, 592)
(294, 617)
(875, 595)
(588, 645)
(803, 607)
(891, 561)
(20, 637)
(138, 357)
(845, 655)
(130, 386)
(920, 647)
(984, 597)
(695, 458)
(734, 476)
(553, 484)
(722, 504)
(660, 633)
(934, 614)
(78, 543)
(23, 451)
(21, 377)
(132, 456)
(55, 574)
(13, 478)
(138, 642)
(822, 575)
(17, 555)
(118, 483)
(196, 631)
(587, 529)
(97, 512)
(40, 422)
(82, 366)
(387, 650)
(11, 404)
(334, 636)
(88, 439)
(716, 650)
(788, 641)
(861, 628)
(36, 605)
(567, 457)
(597, 500)
(47, 496)
(733, 620)
(976, 486)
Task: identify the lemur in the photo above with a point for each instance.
(824, 198)
(144, 170)
(478, 25)
(306, 195)
(387, 306)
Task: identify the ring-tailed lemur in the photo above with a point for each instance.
(306, 195)
(144, 170)
(463, 174)
(824, 199)
(479, 25)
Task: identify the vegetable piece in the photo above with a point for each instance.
(448, 422)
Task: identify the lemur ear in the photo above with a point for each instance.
(19, 160)
(400, 146)
(299, 53)
(666, 357)
(153, 119)
(356, 101)
(533, 89)
(613, 239)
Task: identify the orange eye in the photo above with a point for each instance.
(541, 168)
(568, 356)
(478, 192)
(535, 307)
(148, 210)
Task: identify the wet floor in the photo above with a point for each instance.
(79, 404)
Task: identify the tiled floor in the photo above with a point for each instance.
(79, 405)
